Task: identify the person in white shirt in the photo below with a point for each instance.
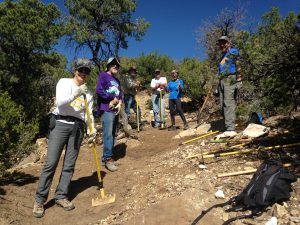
(68, 124)
(158, 85)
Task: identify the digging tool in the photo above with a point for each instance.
(137, 114)
(246, 171)
(102, 199)
(202, 107)
(162, 122)
(197, 138)
(243, 151)
(207, 153)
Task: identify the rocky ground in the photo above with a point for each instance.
(156, 184)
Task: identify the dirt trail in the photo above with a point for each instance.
(135, 167)
(154, 185)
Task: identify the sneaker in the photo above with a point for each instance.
(65, 204)
(111, 166)
(38, 210)
(171, 128)
(186, 126)
(226, 134)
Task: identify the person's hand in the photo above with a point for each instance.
(178, 85)
(91, 134)
(239, 84)
(118, 107)
(82, 89)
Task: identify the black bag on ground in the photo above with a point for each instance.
(270, 184)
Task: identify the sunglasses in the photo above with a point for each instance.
(84, 70)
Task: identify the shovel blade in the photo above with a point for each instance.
(105, 200)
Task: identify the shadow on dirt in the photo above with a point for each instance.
(83, 183)
(119, 151)
(17, 178)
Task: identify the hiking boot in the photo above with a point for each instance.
(38, 210)
(226, 134)
(65, 204)
(171, 128)
(111, 166)
(186, 126)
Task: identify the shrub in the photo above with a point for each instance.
(16, 136)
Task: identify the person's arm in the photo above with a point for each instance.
(63, 97)
(163, 82)
(153, 84)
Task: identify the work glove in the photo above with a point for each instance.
(91, 135)
(118, 107)
(82, 89)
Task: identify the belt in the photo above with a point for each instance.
(68, 118)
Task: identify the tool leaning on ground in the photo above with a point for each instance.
(102, 199)
(243, 151)
(197, 138)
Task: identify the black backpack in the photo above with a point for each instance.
(270, 184)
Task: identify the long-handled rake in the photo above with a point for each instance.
(102, 199)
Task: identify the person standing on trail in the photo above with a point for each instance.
(175, 87)
(67, 126)
(158, 85)
(130, 91)
(230, 80)
(109, 95)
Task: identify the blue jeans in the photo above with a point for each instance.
(61, 135)
(131, 102)
(109, 125)
(158, 110)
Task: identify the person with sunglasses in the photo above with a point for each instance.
(67, 127)
(109, 101)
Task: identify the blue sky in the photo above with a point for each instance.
(173, 23)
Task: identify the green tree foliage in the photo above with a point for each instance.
(147, 64)
(103, 26)
(29, 69)
(271, 64)
(28, 30)
(197, 76)
(16, 134)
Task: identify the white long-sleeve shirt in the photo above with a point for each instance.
(154, 82)
(66, 105)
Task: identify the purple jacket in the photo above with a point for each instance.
(108, 88)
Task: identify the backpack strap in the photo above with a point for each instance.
(242, 217)
(210, 208)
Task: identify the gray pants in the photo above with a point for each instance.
(62, 134)
(228, 94)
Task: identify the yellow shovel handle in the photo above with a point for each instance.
(94, 144)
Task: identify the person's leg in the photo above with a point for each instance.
(57, 139)
(172, 111)
(71, 154)
(221, 96)
(107, 119)
(229, 105)
(155, 105)
(180, 112)
(128, 102)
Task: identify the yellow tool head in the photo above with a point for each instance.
(105, 200)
